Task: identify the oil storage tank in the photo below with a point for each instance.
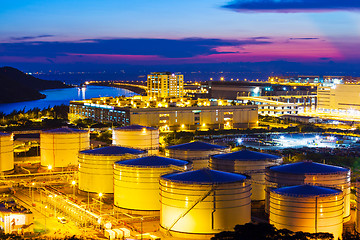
(311, 173)
(250, 163)
(60, 147)
(357, 199)
(96, 167)
(196, 152)
(136, 182)
(199, 203)
(307, 208)
(137, 136)
(6, 153)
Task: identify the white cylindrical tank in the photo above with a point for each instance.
(250, 163)
(136, 181)
(6, 152)
(137, 136)
(60, 147)
(311, 173)
(196, 152)
(204, 202)
(357, 199)
(307, 208)
(96, 167)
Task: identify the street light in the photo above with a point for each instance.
(100, 195)
(73, 183)
(32, 192)
(49, 167)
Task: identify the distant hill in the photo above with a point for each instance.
(16, 86)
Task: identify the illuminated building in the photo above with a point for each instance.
(203, 202)
(145, 138)
(340, 98)
(136, 182)
(60, 147)
(15, 218)
(167, 114)
(247, 162)
(313, 174)
(96, 167)
(307, 208)
(6, 153)
(165, 84)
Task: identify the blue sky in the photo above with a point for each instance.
(142, 32)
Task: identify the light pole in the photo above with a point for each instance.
(32, 192)
(45, 218)
(141, 228)
(73, 183)
(100, 195)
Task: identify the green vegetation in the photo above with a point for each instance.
(34, 118)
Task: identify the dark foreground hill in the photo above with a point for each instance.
(17, 86)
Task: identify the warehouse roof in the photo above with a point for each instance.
(196, 146)
(246, 155)
(135, 128)
(205, 176)
(308, 168)
(306, 191)
(64, 130)
(153, 161)
(112, 150)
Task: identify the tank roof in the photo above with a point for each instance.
(205, 176)
(135, 128)
(306, 191)
(246, 155)
(112, 150)
(308, 168)
(64, 130)
(4, 134)
(153, 161)
(196, 146)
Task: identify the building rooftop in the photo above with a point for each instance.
(306, 191)
(308, 168)
(11, 206)
(135, 128)
(246, 155)
(64, 130)
(4, 134)
(112, 150)
(152, 161)
(205, 176)
(196, 146)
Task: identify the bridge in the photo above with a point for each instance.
(136, 88)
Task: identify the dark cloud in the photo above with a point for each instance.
(304, 38)
(325, 58)
(170, 48)
(30, 37)
(293, 5)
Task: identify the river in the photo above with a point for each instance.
(63, 96)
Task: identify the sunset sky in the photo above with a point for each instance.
(168, 32)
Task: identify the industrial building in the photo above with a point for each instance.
(247, 162)
(165, 84)
(96, 167)
(270, 107)
(136, 182)
(6, 153)
(15, 218)
(198, 153)
(339, 98)
(167, 114)
(203, 202)
(307, 208)
(142, 137)
(59, 147)
(310, 173)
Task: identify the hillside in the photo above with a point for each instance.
(17, 86)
